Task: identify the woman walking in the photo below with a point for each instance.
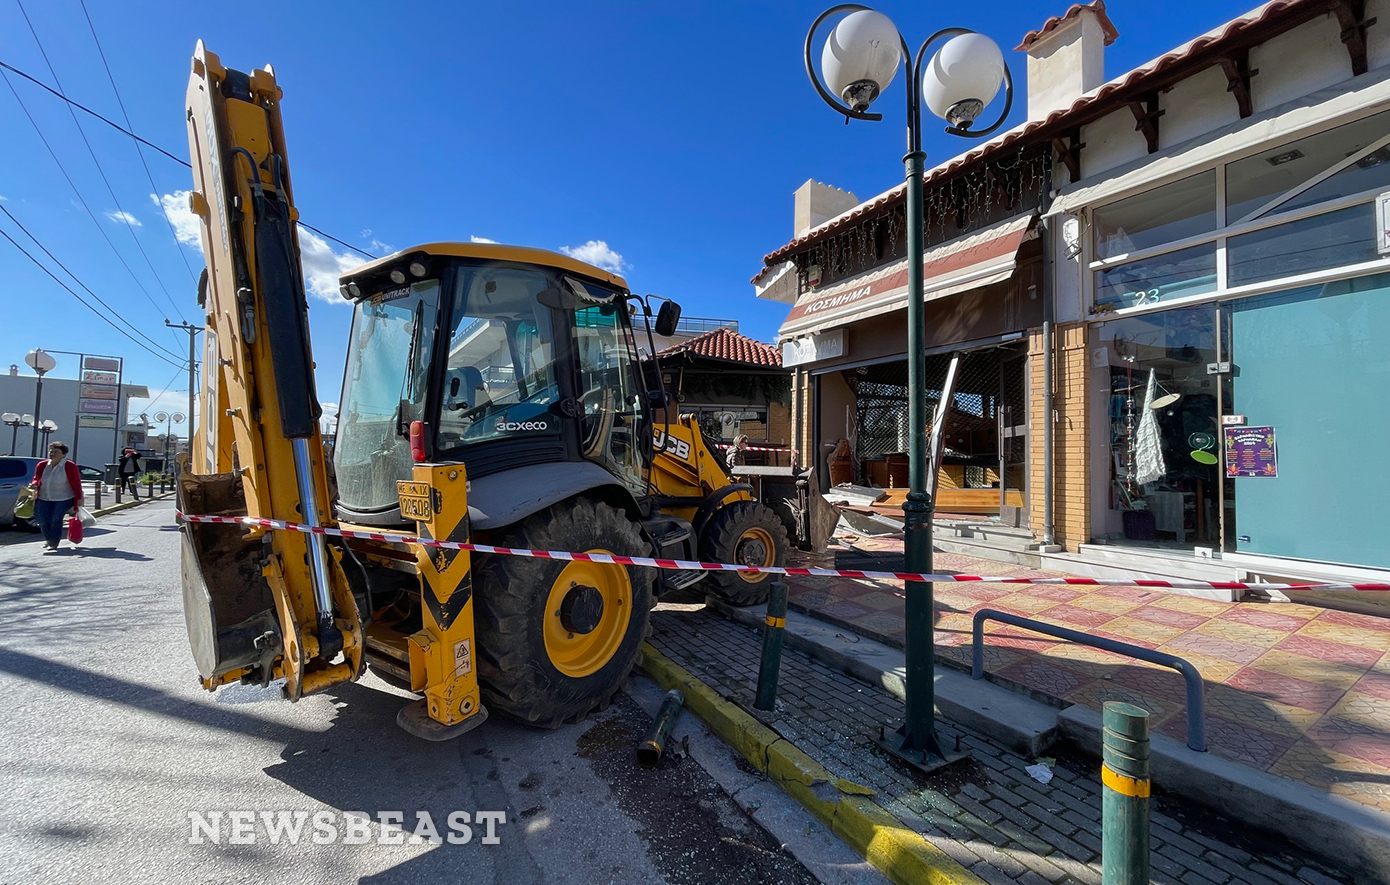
(60, 492)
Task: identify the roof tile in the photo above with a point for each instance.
(726, 344)
(1096, 6)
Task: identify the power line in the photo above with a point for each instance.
(101, 315)
(81, 107)
(79, 282)
(154, 188)
(336, 240)
(149, 144)
(101, 230)
(124, 215)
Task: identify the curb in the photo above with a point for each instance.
(127, 505)
(880, 838)
(1336, 829)
(1012, 717)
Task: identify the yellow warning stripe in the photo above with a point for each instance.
(775, 622)
(1124, 784)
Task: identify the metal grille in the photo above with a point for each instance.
(985, 424)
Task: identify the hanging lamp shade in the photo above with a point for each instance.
(962, 78)
(861, 57)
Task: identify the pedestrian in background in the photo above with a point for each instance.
(59, 487)
(129, 469)
(738, 452)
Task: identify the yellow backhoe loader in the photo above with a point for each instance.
(492, 395)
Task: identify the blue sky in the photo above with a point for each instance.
(664, 139)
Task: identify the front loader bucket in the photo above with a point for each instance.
(227, 604)
(794, 495)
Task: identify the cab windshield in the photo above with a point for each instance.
(384, 386)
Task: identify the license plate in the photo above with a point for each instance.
(415, 500)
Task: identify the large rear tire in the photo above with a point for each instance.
(556, 639)
(744, 533)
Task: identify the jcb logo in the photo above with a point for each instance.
(678, 447)
(513, 426)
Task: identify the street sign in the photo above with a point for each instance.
(101, 422)
(101, 363)
(90, 377)
(97, 406)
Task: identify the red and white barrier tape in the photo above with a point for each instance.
(754, 448)
(688, 565)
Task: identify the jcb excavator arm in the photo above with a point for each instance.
(260, 604)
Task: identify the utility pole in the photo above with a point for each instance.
(192, 331)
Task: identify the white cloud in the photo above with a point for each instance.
(186, 225)
(597, 253)
(322, 266)
(478, 239)
(120, 217)
(4, 199)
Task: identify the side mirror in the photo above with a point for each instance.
(667, 318)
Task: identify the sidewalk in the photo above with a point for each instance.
(987, 813)
(1298, 691)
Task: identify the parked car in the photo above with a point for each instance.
(15, 474)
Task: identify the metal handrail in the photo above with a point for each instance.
(1196, 706)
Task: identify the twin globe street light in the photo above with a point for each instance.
(859, 61)
(16, 421)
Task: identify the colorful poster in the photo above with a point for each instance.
(1250, 451)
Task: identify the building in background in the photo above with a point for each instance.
(734, 386)
(91, 446)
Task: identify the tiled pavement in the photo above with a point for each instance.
(1299, 691)
(986, 812)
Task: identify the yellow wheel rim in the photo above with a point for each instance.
(580, 644)
(755, 547)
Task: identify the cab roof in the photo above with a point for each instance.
(490, 252)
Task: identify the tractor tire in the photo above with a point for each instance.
(556, 639)
(746, 533)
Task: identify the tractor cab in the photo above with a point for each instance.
(507, 358)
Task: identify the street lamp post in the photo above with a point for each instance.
(42, 364)
(47, 427)
(859, 61)
(168, 418)
(16, 422)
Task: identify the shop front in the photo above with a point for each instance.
(1239, 334)
(847, 341)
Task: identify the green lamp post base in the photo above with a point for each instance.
(933, 758)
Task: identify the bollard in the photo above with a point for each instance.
(97, 496)
(1124, 771)
(649, 750)
(775, 626)
(118, 492)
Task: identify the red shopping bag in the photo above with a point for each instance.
(74, 530)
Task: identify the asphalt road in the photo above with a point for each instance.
(115, 764)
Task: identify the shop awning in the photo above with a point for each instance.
(978, 259)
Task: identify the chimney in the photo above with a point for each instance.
(1066, 57)
(14, 369)
(817, 203)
